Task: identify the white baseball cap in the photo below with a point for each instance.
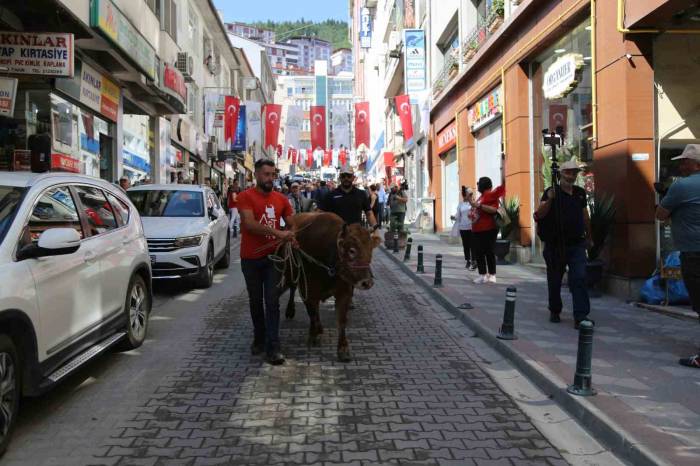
(691, 151)
(571, 165)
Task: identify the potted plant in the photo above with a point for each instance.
(496, 16)
(470, 51)
(507, 230)
(602, 212)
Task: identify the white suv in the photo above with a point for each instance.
(75, 279)
(187, 230)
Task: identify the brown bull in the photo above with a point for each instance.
(340, 262)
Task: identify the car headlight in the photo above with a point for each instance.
(188, 241)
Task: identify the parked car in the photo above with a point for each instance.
(187, 231)
(75, 279)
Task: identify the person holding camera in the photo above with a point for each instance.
(463, 224)
(681, 205)
(563, 224)
(397, 203)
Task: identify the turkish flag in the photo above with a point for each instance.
(362, 124)
(309, 158)
(272, 124)
(389, 159)
(327, 156)
(280, 150)
(403, 108)
(232, 106)
(318, 127)
(343, 158)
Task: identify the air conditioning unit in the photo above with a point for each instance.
(185, 64)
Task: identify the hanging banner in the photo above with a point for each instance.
(253, 127)
(341, 127)
(415, 69)
(294, 121)
(239, 142)
(403, 108)
(45, 54)
(362, 129)
(272, 124)
(365, 28)
(8, 93)
(318, 127)
(213, 107)
(231, 111)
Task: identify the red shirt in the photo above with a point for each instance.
(267, 209)
(487, 221)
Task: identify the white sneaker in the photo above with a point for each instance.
(490, 279)
(480, 279)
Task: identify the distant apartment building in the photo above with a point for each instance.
(342, 61)
(253, 33)
(311, 49)
(284, 58)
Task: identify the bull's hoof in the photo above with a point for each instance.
(314, 340)
(290, 313)
(344, 356)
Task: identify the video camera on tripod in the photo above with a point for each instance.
(554, 140)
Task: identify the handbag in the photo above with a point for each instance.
(502, 217)
(454, 233)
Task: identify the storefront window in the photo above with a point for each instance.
(136, 148)
(563, 99)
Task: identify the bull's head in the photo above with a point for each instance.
(355, 246)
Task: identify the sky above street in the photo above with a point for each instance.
(282, 10)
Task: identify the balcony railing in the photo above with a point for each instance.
(449, 70)
(485, 28)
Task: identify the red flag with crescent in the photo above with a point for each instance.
(403, 109)
(362, 130)
(343, 157)
(318, 127)
(272, 124)
(232, 106)
(327, 156)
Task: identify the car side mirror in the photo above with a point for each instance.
(53, 242)
(213, 213)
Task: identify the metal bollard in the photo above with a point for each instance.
(407, 254)
(396, 242)
(507, 330)
(437, 283)
(582, 379)
(420, 268)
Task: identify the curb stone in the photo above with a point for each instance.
(603, 429)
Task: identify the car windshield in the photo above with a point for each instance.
(168, 203)
(10, 200)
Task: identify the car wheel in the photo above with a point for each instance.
(225, 260)
(206, 275)
(9, 390)
(138, 309)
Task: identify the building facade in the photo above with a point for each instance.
(341, 61)
(250, 32)
(311, 50)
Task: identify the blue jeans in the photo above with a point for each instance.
(576, 262)
(261, 279)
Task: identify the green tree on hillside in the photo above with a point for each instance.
(334, 31)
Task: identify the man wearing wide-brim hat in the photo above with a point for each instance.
(564, 227)
(681, 205)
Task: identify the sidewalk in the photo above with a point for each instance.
(645, 410)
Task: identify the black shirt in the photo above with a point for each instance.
(348, 206)
(572, 223)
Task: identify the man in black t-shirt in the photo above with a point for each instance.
(348, 202)
(565, 230)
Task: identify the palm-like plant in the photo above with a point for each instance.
(512, 207)
(602, 211)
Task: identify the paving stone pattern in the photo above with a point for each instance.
(412, 395)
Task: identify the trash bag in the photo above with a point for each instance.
(653, 291)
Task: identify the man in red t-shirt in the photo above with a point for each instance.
(261, 209)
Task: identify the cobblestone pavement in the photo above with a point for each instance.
(412, 395)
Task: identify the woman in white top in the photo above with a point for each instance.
(463, 222)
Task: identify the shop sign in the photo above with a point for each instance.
(365, 29)
(46, 54)
(174, 83)
(562, 76)
(108, 19)
(240, 144)
(485, 110)
(415, 72)
(134, 161)
(8, 92)
(64, 163)
(98, 92)
(447, 138)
